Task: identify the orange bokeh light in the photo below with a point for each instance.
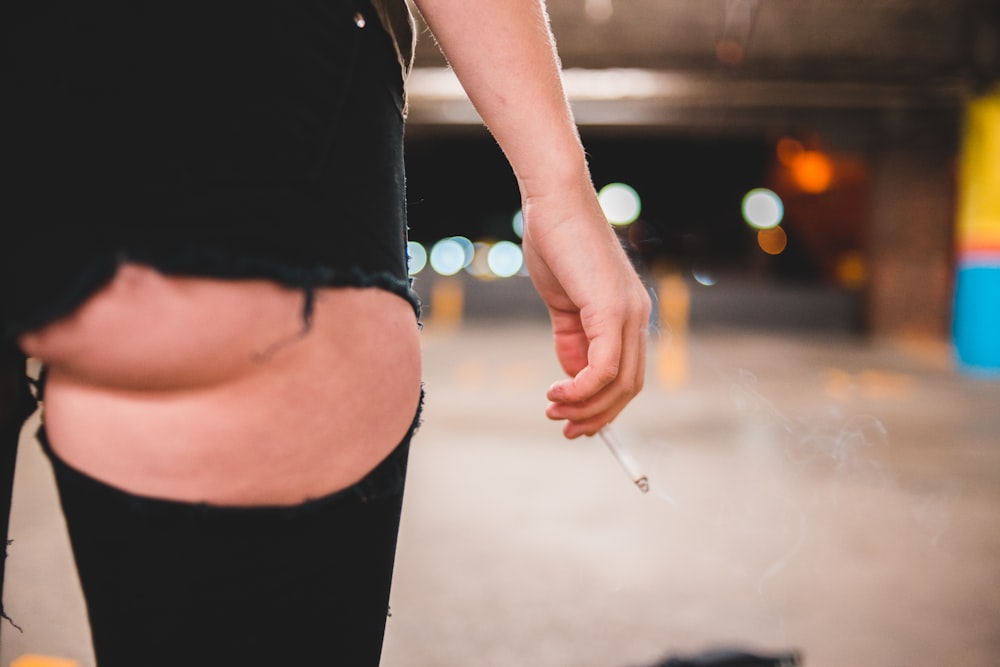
(772, 241)
(812, 171)
(787, 150)
(851, 270)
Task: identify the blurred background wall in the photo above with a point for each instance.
(845, 117)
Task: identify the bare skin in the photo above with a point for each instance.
(174, 387)
(206, 390)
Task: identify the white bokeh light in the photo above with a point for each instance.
(416, 257)
(448, 257)
(762, 209)
(703, 278)
(518, 224)
(620, 202)
(505, 259)
(468, 247)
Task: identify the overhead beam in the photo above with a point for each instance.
(650, 98)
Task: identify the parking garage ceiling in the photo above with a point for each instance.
(681, 63)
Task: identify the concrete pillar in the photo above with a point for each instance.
(910, 244)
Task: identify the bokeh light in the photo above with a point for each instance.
(448, 256)
(468, 247)
(773, 241)
(505, 259)
(416, 257)
(787, 149)
(812, 171)
(703, 277)
(852, 271)
(762, 208)
(620, 203)
(518, 224)
(479, 266)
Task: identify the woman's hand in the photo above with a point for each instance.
(598, 306)
(504, 55)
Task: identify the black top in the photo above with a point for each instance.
(238, 138)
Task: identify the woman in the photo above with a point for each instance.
(232, 355)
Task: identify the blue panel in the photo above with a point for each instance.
(977, 318)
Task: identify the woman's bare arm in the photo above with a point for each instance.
(503, 53)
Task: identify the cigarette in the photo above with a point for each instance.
(629, 464)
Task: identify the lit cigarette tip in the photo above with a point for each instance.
(628, 463)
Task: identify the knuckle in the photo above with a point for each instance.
(617, 308)
(607, 374)
(644, 307)
(588, 428)
(629, 388)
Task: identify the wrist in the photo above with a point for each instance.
(558, 179)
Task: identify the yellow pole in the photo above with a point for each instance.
(976, 323)
(672, 350)
(447, 303)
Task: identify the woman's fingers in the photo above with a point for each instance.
(603, 367)
(599, 392)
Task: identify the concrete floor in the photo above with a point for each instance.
(810, 492)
